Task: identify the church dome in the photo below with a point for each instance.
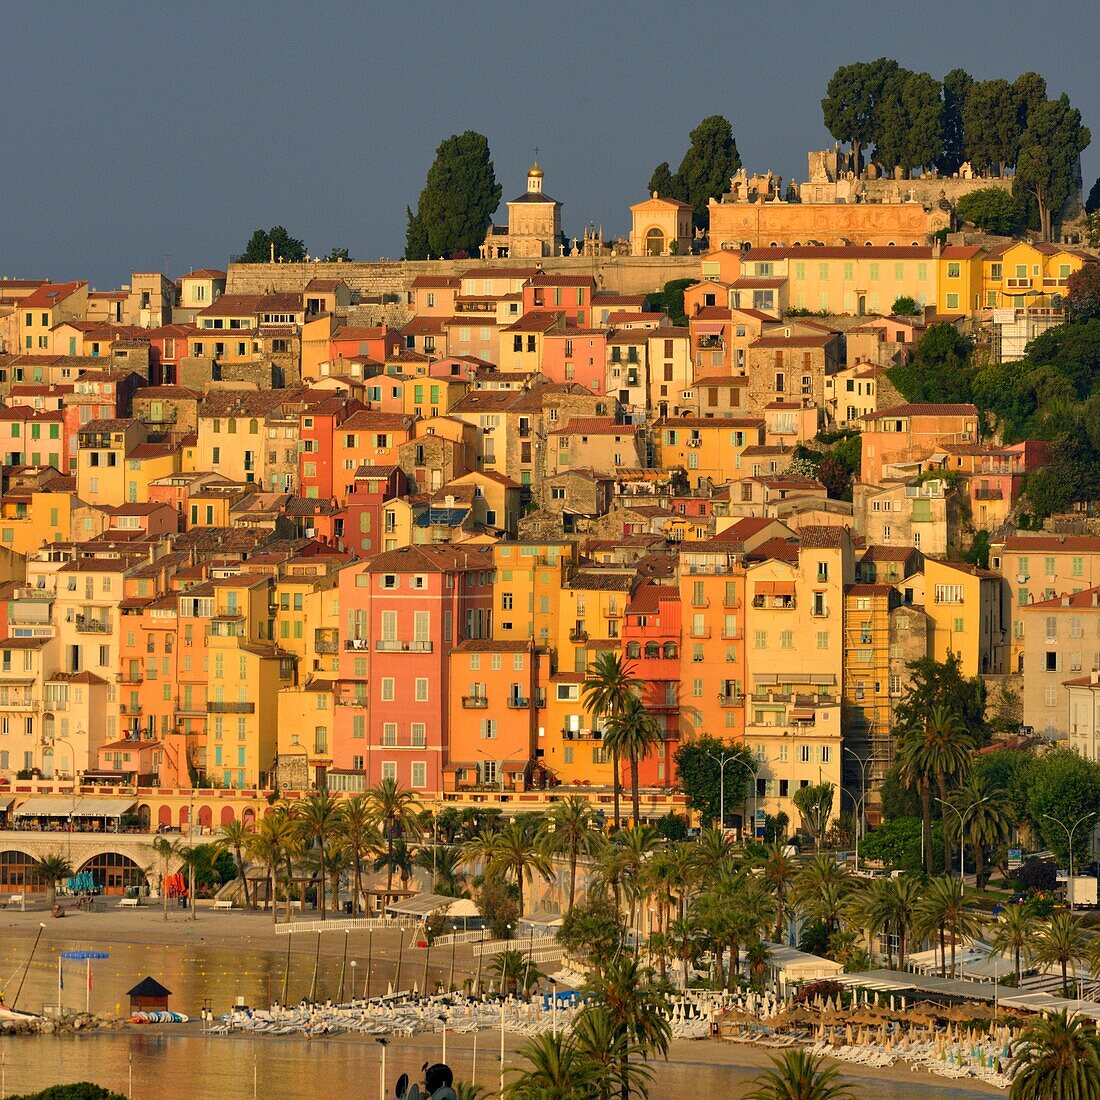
(534, 172)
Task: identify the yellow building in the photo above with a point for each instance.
(49, 305)
(960, 279)
(246, 673)
(530, 578)
(30, 518)
(705, 447)
(590, 620)
(968, 607)
(660, 227)
(794, 633)
(669, 367)
(1028, 276)
(867, 657)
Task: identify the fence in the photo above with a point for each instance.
(354, 924)
(539, 943)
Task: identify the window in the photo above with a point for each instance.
(419, 735)
(388, 690)
(389, 734)
(822, 639)
(419, 773)
(760, 639)
(421, 689)
(389, 770)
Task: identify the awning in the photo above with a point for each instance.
(420, 905)
(774, 588)
(5, 802)
(463, 907)
(792, 965)
(802, 714)
(707, 329)
(80, 807)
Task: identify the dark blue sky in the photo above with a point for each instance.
(157, 136)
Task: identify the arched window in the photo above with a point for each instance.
(633, 650)
(672, 651)
(253, 426)
(232, 426)
(652, 650)
(654, 242)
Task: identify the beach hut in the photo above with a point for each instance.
(148, 994)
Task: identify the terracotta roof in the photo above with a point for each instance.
(595, 425)
(1067, 601)
(822, 538)
(48, 295)
(868, 590)
(1089, 544)
(431, 559)
(776, 547)
(436, 282)
(839, 252)
(547, 279)
(204, 273)
(649, 597)
(888, 553)
(795, 341)
(912, 408)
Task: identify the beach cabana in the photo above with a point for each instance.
(148, 994)
(789, 966)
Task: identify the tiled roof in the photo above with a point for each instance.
(649, 597)
(1023, 544)
(595, 425)
(48, 295)
(911, 408)
(822, 537)
(1066, 601)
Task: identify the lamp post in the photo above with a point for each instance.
(755, 773)
(383, 1043)
(858, 803)
(722, 761)
(51, 743)
(962, 816)
(862, 796)
(1069, 835)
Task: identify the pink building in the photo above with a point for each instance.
(570, 295)
(576, 355)
(403, 612)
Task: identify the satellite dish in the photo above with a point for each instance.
(402, 1089)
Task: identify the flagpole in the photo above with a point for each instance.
(88, 986)
(60, 986)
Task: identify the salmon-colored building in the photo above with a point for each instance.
(404, 611)
(905, 435)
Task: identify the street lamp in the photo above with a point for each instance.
(722, 761)
(858, 804)
(755, 773)
(50, 743)
(1069, 834)
(962, 832)
(863, 794)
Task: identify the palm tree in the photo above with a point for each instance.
(599, 1043)
(779, 872)
(610, 683)
(360, 835)
(637, 847)
(799, 1075)
(942, 909)
(988, 822)
(570, 830)
(886, 906)
(395, 811)
(632, 732)
(169, 851)
(937, 750)
(757, 954)
(821, 889)
(515, 853)
(513, 969)
(274, 843)
(319, 816)
(712, 853)
(398, 860)
(555, 1069)
(53, 868)
(1015, 932)
(638, 1012)
(233, 837)
(1056, 1059)
(1062, 940)
(444, 862)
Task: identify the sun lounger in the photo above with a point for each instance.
(128, 903)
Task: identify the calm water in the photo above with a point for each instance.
(190, 1066)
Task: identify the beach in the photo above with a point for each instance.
(220, 956)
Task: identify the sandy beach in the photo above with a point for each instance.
(222, 955)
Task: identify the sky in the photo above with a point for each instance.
(142, 137)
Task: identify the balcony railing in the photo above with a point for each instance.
(327, 647)
(578, 635)
(359, 645)
(518, 702)
(988, 494)
(390, 645)
(230, 708)
(730, 698)
(475, 702)
(132, 678)
(92, 626)
(700, 632)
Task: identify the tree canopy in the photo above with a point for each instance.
(457, 203)
(994, 210)
(287, 249)
(697, 764)
(913, 121)
(705, 171)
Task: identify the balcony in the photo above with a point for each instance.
(165, 416)
(92, 626)
(700, 632)
(132, 678)
(357, 645)
(1018, 284)
(578, 635)
(612, 613)
(518, 702)
(730, 698)
(475, 702)
(230, 708)
(988, 494)
(129, 708)
(327, 646)
(351, 701)
(582, 735)
(391, 645)
(702, 601)
(712, 343)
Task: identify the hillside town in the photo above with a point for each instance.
(316, 525)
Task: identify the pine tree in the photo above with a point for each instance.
(457, 203)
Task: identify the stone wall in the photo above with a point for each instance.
(613, 274)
